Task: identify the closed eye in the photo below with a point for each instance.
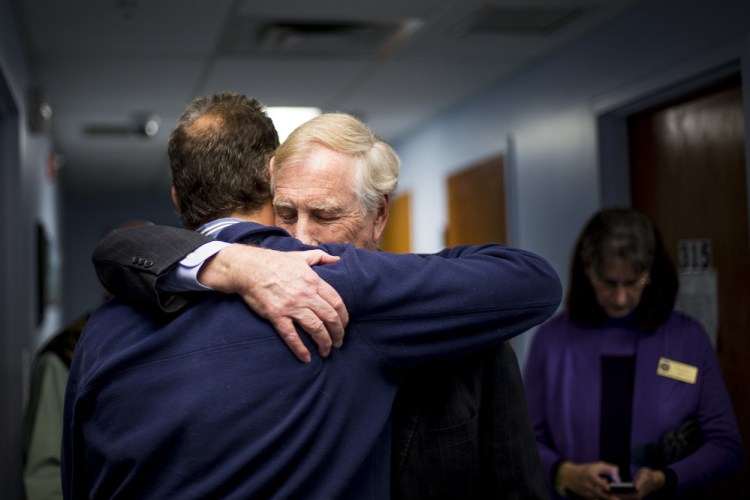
(327, 215)
(285, 214)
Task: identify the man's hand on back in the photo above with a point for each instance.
(281, 287)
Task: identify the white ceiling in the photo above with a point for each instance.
(396, 63)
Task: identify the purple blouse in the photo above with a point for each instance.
(563, 387)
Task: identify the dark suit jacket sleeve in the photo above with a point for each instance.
(510, 458)
(461, 430)
(129, 261)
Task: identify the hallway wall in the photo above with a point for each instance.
(544, 119)
(28, 197)
(81, 290)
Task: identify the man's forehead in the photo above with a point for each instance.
(318, 184)
(321, 203)
(316, 160)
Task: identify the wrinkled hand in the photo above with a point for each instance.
(281, 287)
(586, 479)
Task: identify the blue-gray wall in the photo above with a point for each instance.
(544, 119)
(86, 220)
(28, 197)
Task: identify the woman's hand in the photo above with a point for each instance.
(587, 480)
(646, 481)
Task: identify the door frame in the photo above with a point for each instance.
(612, 128)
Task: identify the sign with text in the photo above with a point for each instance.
(694, 255)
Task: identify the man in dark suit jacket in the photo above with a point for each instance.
(461, 428)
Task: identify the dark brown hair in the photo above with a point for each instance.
(626, 234)
(219, 153)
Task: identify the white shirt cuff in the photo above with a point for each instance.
(184, 276)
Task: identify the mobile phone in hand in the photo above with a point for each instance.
(622, 487)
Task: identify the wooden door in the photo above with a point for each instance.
(476, 204)
(688, 174)
(396, 236)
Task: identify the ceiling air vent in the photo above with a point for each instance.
(246, 36)
(490, 20)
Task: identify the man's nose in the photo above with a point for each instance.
(305, 231)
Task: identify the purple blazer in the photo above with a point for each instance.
(563, 386)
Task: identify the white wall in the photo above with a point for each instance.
(548, 113)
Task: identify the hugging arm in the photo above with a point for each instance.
(280, 287)
(130, 261)
(448, 305)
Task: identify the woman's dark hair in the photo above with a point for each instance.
(622, 233)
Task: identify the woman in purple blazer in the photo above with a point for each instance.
(608, 378)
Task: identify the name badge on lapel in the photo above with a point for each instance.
(678, 371)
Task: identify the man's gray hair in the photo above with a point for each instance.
(378, 164)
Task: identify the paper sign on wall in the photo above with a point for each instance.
(698, 295)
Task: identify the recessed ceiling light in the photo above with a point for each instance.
(287, 118)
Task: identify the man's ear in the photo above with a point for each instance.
(270, 170)
(176, 200)
(381, 217)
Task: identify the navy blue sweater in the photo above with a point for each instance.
(212, 404)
